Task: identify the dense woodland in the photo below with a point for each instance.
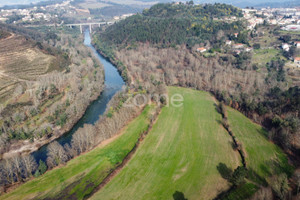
(170, 24)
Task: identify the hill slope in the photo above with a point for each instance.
(20, 60)
(171, 24)
(182, 153)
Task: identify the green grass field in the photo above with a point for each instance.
(181, 153)
(85, 172)
(263, 157)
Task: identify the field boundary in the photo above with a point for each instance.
(114, 172)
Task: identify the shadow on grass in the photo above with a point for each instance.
(179, 196)
(253, 176)
(279, 166)
(263, 132)
(224, 171)
(217, 108)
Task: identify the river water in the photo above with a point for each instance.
(113, 84)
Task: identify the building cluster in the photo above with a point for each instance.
(124, 16)
(34, 14)
(274, 16)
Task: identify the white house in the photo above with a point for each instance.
(228, 42)
(285, 47)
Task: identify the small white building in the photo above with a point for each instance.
(285, 47)
(248, 49)
(228, 42)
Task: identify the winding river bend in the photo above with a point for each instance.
(113, 84)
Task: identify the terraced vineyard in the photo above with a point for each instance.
(20, 60)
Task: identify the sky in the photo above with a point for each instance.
(239, 3)
(13, 2)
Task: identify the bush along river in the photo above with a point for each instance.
(113, 84)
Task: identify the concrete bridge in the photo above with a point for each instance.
(81, 25)
(90, 25)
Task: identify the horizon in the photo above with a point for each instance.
(237, 3)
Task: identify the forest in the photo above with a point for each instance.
(170, 24)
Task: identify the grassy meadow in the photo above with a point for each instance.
(179, 156)
(82, 174)
(263, 157)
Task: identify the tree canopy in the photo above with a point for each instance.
(172, 24)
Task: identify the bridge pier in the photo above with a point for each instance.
(80, 28)
(90, 28)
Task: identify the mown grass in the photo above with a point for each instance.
(181, 153)
(263, 157)
(82, 174)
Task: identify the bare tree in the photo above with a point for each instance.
(30, 165)
(8, 170)
(56, 154)
(18, 167)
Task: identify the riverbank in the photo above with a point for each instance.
(93, 166)
(28, 147)
(78, 101)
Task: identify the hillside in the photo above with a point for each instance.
(40, 90)
(208, 48)
(24, 59)
(186, 151)
(181, 153)
(171, 24)
(20, 60)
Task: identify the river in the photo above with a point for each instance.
(113, 84)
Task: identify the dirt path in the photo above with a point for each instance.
(2, 74)
(9, 37)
